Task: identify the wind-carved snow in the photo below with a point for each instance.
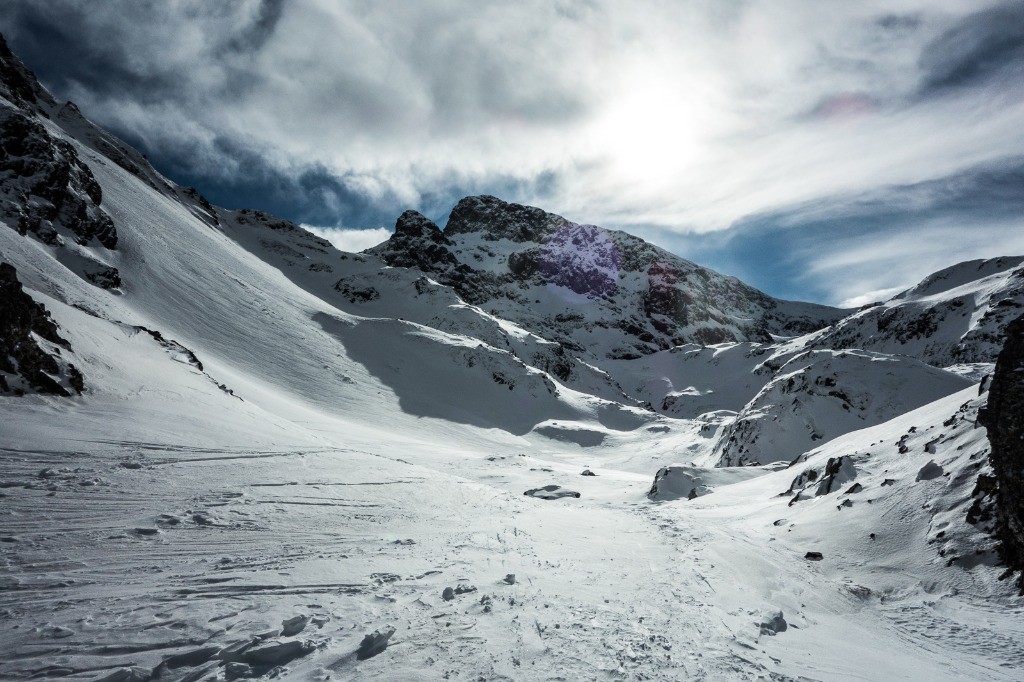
(953, 317)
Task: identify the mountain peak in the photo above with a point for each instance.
(495, 219)
(416, 243)
(415, 225)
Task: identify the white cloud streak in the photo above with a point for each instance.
(353, 241)
(859, 270)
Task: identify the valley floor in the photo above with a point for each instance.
(121, 552)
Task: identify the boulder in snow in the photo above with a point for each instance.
(773, 623)
(929, 471)
(374, 643)
(294, 625)
(551, 492)
(276, 652)
(677, 482)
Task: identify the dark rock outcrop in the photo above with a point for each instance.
(420, 244)
(47, 189)
(24, 364)
(495, 219)
(1004, 419)
(581, 258)
(374, 643)
(417, 243)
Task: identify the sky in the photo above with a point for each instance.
(820, 150)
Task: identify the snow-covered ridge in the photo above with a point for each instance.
(955, 316)
(816, 396)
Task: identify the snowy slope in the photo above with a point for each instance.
(364, 286)
(818, 395)
(904, 588)
(281, 449)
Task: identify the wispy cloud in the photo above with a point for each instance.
(671, 119)
(347, 239)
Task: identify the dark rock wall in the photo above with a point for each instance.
(23, 362)
(1004, 419)
(46, 186)
(496, 219)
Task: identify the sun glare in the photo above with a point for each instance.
(650, 133)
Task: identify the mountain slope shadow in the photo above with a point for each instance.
(458, 379)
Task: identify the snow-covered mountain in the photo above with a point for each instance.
(603, 292)
(956, 316)
(229, 449)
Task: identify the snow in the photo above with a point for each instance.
(818, 395)
(305, 500)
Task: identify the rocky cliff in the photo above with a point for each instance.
(31, 351)
(1004, 419)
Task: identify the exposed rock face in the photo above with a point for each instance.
(46, 187)
(25, 364)
(418, 243)
(1004, 419)
(581, 258)
(495, 219)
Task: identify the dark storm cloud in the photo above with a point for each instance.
(355, 110)
(255, 35)
(152, 49)
(979, 48)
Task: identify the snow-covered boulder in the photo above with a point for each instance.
(551, 492)
(677, 482)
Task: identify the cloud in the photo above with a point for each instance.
(983, 47)
(351, 240)
(896, 261)
(870, 297)
(699, 123)
(862, 245)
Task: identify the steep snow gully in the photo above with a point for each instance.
(228, 450)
